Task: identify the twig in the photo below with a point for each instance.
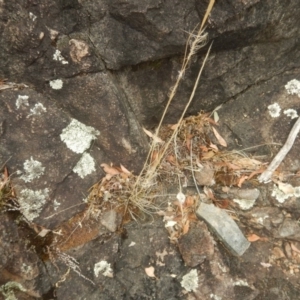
(267, 174)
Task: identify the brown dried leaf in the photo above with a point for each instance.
(124, 170)
(186, 227)
(253, 237)
(153, 136)
(208, 155)
(241, 180)
(221, 141)
(209, 193)
(174, 126)
(110, 170)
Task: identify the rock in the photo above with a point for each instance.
(268, 217)
(21, 267)
(289, 229)
(196, 245)
(111, 220)
(224, 227)
(56, 156)
(245, 198)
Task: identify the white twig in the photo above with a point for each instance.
(267, 174)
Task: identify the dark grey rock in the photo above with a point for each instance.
(196, 245)
(224, 227)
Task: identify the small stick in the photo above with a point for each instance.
(267, 174)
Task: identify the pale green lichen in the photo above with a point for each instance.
(58, 57)
(7, 290)
(293, 87)
(274, 110)
(78, 137)
(38, 109)
(190, 281)
(104, 268)
(32, 202)
(292, 113)
(85, 166)
(22, 100)
(56, 84)
(33, 169)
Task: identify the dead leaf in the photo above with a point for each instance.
(294, 248)
(221, 141)
(150, 271)
(174, 126)
(286, 187)
(186, 227)
(124, 170)
(153, 136)
(253, 237)
(214, 147)
(208, 192)
(109, 169)
(208, 155)
(241, 180)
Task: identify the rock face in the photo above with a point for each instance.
(84, 77)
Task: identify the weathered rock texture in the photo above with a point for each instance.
(97, 71)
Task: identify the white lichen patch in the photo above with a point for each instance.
(22, 100)
(293, 87)
(284, 191)
(38, 109)
(190, 281)
(274, 110)
(85, 166)
(32, 16)
(104, 268)
(33, 169)
(32, 202)
(241, 282)
(292, 113)
(56, 204)
(56, 84)
(244, 204)
(58, 57)
(78, 137)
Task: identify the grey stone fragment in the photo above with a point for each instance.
(111, 220)
(225, 228)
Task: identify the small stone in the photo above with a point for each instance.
(110, 219)
(196, 245)
(225, 228)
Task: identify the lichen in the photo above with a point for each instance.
(58, 57)
(274, 110)
(38, 109)
(104, 268)
(190, 281)
(85, 166)
(33, 169)
(292, 113)
(22, 100)
(56, 84)
(7, 290)
(293, 87)
(31, 202)
(78, 137)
